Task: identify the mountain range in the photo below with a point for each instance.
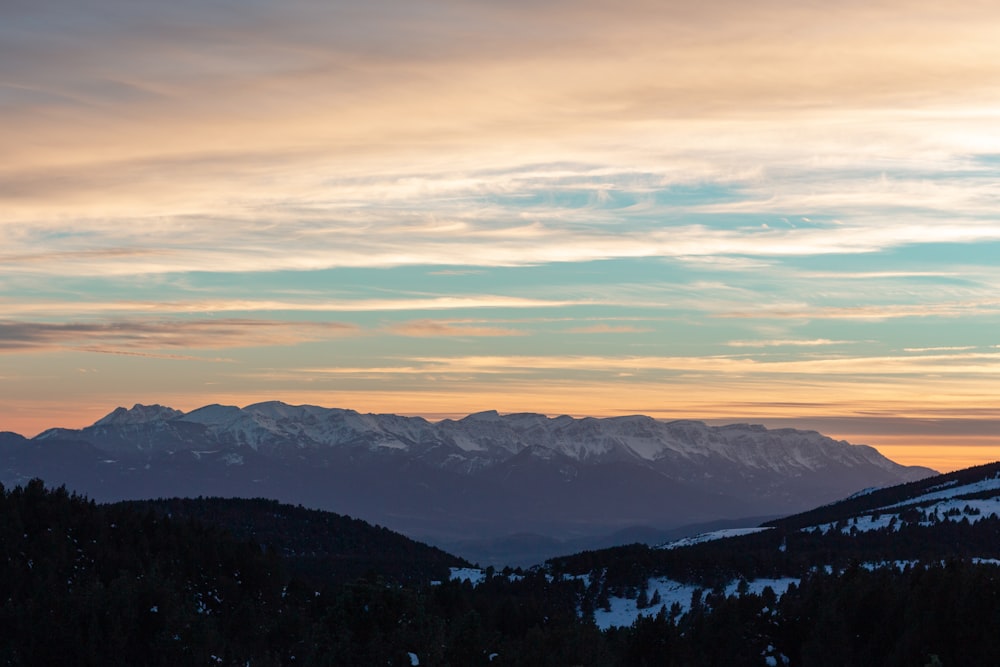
(470, 481)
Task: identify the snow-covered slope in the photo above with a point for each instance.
(968, 502)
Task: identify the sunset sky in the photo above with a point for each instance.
(779, 212)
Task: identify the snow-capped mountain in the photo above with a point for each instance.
(486, 475)
(477, 441)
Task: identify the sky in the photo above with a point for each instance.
(773, 212)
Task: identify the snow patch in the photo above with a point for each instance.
(233, 459)
(900, 565)
(473, 575)
(986, 561)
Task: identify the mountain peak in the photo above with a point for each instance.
(484, 416)
(138, 414)
(213, 414)
(281, 410)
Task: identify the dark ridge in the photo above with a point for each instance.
(319, 547)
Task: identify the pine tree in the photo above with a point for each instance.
(642, 601)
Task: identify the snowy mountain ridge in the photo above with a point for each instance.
(507, 483)
(479, 440)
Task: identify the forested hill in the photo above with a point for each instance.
(86, 584)
(152, 584)
(318, 547)
(89, 584)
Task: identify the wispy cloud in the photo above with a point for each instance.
(608, 328)
(195, 204)
(457, 272)
(125, 336)
(279, 248)
(449, 328)
(422, 369)
(862, 366)
(153, 355)
(816, 342)
(872, 312)
(357, 305)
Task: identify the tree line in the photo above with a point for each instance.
(137, 584)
